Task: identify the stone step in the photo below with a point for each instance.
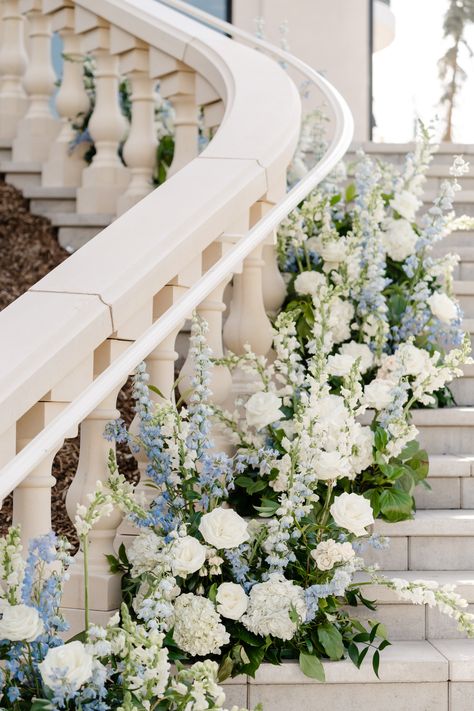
(414, 676)
(75, 230)
(451, 483)
(21, 175)
(5, 149)
(463, 202)
(447, 430)
(45, 201)
(459, 238)
(464, 291)
(438, 172)
(440, 539)
(406, 621)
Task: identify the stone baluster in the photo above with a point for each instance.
(106, 178)
(64, 165)
(32, 498)
(13, 60)
(139, 151)
(38, 128)
(177, 83)
(92, 467)
(211, 310)
(273, 285)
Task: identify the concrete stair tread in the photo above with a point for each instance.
(451, 465)
(463, 287)
(460, 656)
(73, 219)
(444, 416)
(431, 522)
(20, 167)
(40, 192)
(462, 579)
(400, 662)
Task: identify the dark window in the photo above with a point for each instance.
(219, 8)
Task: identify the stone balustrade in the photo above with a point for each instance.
(63, 337)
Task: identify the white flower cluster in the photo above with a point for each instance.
(197, 626)
(270, 606)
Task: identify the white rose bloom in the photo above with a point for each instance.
(69, 665)
(352, 512)
(442, 307)
(262, 409)
(406, 204)
(328, 553)
(188, 556)
(340, 364)
(363, 441)
(359, 350)
(197, 628)
(20, 623)
(270, 604)
(378, 394)
(399, 239)
(415, 360)
(223, 528)
(309, 282)
(332, 465)
(232, 600)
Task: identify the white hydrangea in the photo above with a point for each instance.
(309, 283)
(270, 604)
(197, 628)
(149, 554)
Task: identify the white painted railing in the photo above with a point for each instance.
(69, 344)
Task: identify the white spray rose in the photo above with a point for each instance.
(231, 600)
(340, 364)
(332, 465)
(415, 360)
(309, 283)
(378, 394)
(328, 553)
(69, 665)
(442, 307)
(352, 512)
(399, 239)
(188, 556)
(20, 623)
(406, 204)
(359, 350)
(262, 409)
(223, 528)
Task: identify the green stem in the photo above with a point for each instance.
(85, 551)
(325, 511)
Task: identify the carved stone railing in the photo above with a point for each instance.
(70, 342)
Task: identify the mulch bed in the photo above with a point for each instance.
(28, 251)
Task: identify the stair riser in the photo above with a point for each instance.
(425, 553)
(45, 207)
(447, 439)
(463, 390)
(429, 696)
(446, 493)
(433, 182)
(461, 238)
(72, 238)
(23, 180)
(406, 621)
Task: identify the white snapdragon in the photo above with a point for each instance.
(270, 604)
(197, 628)
(352, 512)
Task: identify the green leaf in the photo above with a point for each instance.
(79, 637)
(331, 639)
(41, 705)
(380, 438)
(225, 669)
(268, 508)
(376, 663)
(353, 653)
(351, 192)
(311, 666)
(156, 390)
(395, 505)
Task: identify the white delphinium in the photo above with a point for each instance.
(197, 626)
(270, 606)
(288, 366)
(12, 566)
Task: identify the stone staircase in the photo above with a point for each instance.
(428, 667)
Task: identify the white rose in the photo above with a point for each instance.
(340, 364)
(352, 512)
(20, 623)
(359, 350)
(331, 465)
(399, 239)
(326, 554)
(378, 394)
(309, 282)
(188, 556)
(415, 360)
(232, 601)
(262, 409)
(442, 307)
(223, 528)
(70, 664)
(406, 204)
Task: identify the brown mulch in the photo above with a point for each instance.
(28, 251)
